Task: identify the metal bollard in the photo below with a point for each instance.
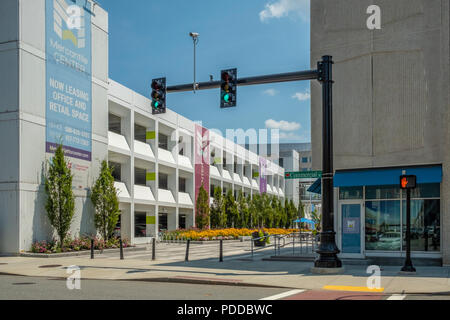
(92, 248)
(293, 244)
(187, 251)
(221, 251)
(154, 249)
(121, 249)
(275, 243)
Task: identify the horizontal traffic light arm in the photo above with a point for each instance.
(273, 78)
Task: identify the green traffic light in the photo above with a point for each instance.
(156, 104)
(226, 97)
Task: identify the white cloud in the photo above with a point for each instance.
(291, 136)
(302, 96)
(282, 125)
(283, 8)
(270, 92)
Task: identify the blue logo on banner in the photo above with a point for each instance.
(69, 78)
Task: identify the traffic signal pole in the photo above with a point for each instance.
(273, 78)
(327, 250)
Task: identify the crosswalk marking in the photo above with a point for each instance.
(397, 297)
(283, 295)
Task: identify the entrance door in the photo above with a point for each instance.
(351, 229)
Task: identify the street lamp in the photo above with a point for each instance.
(327, 250)
(194, 36)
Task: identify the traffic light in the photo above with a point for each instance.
(407, 182)
(158, 96)
(228, 88)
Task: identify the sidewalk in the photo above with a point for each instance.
(237, 269)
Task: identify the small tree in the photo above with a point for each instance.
(105, 201)
(60, 204)
(202, 209)
(317, 218)
(252, 211)
(218, 216)
(231, 209)
(268, 211)
(243, 211)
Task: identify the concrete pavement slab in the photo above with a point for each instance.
(235, 270)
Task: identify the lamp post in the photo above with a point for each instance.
(194, 36)
(327, 250)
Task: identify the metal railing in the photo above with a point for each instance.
(303, 244)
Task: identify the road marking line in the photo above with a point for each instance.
(397, 297)
(283, 295)
(350, 288)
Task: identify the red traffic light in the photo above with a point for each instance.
(156, 85)
(407, 182)
(225, 76)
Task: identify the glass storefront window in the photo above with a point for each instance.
(383, 192)
(383, 225)
(426, 190)
(140, 226)
(162, 222)
(350, 193)
(425, 225)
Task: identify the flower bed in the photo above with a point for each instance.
(77, 244)
(221, 234)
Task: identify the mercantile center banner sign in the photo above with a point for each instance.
(69, 78)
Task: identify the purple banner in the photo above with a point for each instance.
(201, 159)
(262, 175)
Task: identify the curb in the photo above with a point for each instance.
(78, 253)
(187, 280)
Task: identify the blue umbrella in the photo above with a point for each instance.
(307, 221)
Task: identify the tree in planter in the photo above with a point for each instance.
(283, 222)
(218, 215)
(300, 211)
(292, 210)
(317, 218)
(60, 204)
(268, 211)
(252, 212)
(105, 201)
(287, 213)
(257, 210)
(243, 211)
(202, 209)
(231, 209)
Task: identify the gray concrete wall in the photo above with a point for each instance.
(9, 126)
(23, 218)
(391, 86)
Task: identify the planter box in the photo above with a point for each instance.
(198, 241)
(261, 242)
(78, 253)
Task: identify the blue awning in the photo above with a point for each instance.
(389, 176)
(376, 177)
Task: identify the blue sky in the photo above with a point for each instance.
(150, 39)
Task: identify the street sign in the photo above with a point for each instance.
(303, 175)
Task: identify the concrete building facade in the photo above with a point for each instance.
(390, 116)
(153, 155)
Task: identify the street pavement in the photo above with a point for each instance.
(238, 270)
